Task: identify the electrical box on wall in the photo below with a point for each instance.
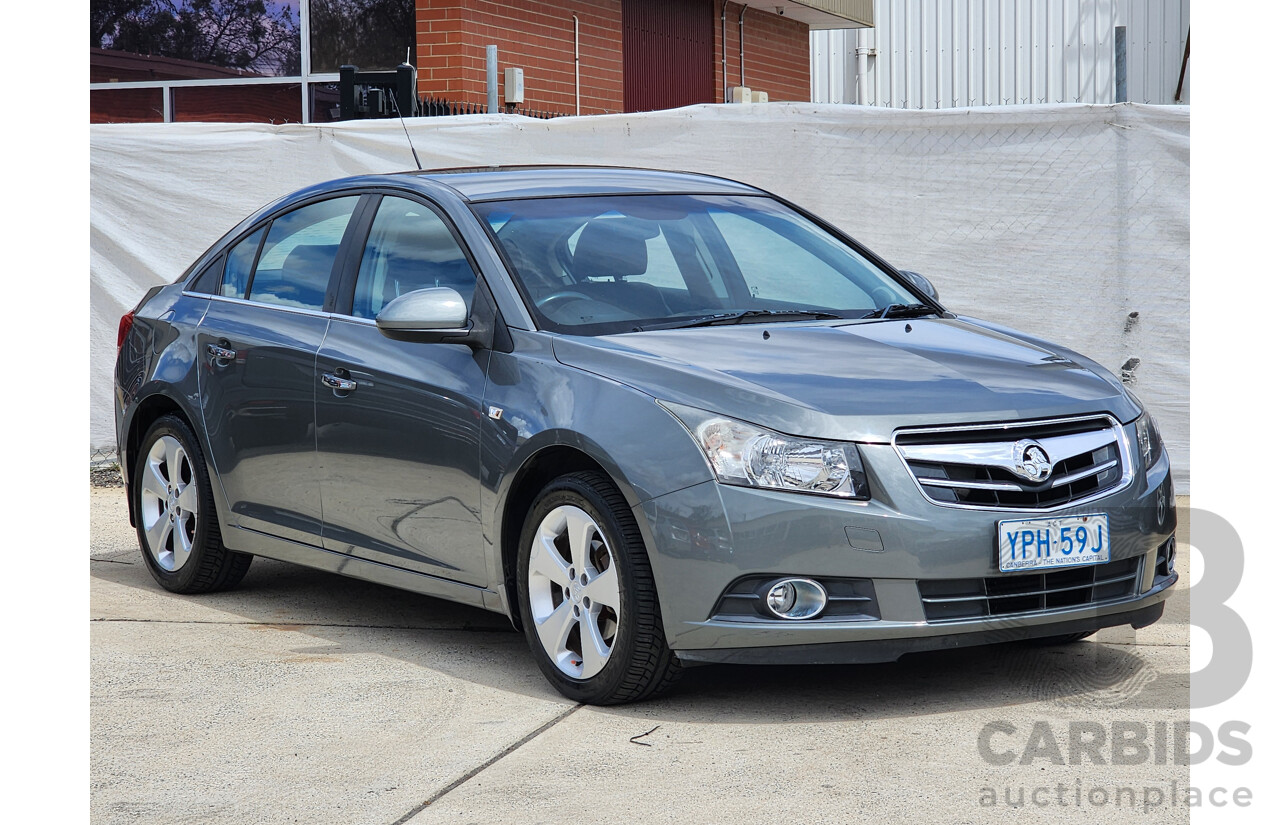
(759, 97)
(513, 85)
(740, 94)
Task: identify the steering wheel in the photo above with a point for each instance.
(560, 297)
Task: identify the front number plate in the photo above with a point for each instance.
(1038, 544)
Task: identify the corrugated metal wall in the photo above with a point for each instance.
(668, 54)
(936, 54)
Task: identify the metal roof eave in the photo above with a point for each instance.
(820, 14)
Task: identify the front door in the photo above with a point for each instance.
(398, 438)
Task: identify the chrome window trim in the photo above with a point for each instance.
(319, 313)
(332, 316)
(354, 319)
(1124, 448)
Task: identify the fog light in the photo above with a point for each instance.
(796, 599)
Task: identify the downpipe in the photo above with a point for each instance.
(577, 69)
(724, 51)
(862, 50)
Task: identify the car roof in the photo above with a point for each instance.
(507, 182)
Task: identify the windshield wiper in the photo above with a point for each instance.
(748, 315)
(902, 311)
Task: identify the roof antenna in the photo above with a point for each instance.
(396, 105)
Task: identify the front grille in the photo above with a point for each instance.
(976, 466)
(947, 600)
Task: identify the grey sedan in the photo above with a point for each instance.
(657, 419)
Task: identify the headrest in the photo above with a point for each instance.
(310, 261)
(612, 248)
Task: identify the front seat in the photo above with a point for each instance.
(609, 251)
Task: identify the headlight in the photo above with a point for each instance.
(1149, 441)
(751, 456)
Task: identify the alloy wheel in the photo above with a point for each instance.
(574, 593)
(170, 503)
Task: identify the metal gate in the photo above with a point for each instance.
(668, 54)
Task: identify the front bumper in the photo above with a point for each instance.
(706, 537)
(869, 651)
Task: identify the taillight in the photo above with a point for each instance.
(126, 324)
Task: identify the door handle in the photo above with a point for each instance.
(337, 382)
(221, 353)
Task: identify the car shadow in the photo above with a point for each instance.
(348, 616)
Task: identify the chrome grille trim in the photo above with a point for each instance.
(1000, 453)
(1092, 471)
(969, 485)
(988, 450)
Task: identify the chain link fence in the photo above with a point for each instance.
(104, 468)
(1069, 222)
(1071, 226)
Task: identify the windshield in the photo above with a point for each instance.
(623, 263)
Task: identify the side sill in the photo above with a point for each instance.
(245, 540)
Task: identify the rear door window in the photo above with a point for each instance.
(209, 279)
(239, 266)
(298, 255)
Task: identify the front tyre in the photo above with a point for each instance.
(587, 597)
(177, 522)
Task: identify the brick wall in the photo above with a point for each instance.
(776, 53)
(536, 36)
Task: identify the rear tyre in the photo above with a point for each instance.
(587, 597)
(175, 513)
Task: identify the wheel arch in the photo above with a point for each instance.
(146, 412)
(539, 468)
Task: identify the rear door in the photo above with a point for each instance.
(399, 445)
(257, 349)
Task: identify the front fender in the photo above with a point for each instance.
(541, 404)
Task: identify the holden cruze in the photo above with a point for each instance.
(655, 418)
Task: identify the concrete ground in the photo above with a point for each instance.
(306, 697)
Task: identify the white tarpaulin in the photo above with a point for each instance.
(1071, 222)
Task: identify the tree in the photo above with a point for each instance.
(372, 34)
(240, 34)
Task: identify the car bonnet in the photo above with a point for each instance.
(854, 380)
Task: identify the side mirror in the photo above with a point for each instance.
(438, 310)
(920, 282)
